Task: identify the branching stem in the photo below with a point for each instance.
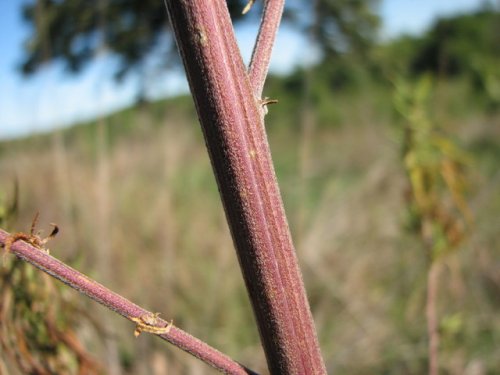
(122, 306)
(261, 55)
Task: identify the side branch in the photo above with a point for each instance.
(261, 55)
(146, 321)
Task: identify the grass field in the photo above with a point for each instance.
(139, 210)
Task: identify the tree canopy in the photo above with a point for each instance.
(75, 31)
(456, 45)
(345, 26)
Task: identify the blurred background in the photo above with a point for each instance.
(386, 142)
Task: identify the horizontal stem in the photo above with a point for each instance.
(121, 305)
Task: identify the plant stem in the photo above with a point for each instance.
(121, 305)
(432, 318)
(230, 117)
(261, 55)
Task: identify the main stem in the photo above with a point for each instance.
(237, 144)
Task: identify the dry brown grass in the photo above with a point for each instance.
(151, 195)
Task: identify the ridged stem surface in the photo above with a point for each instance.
(230, 116)
(122, 306)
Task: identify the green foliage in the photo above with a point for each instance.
(464, 46)
(135, 32)
(455, 45)
(395, 57)
(75, 32)
(486, 79)
(346, 26)
(435, 166)
(331, 92)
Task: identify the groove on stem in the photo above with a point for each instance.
(234, 132)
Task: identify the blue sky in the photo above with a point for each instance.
(53, 99)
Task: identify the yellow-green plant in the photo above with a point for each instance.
(435, 165)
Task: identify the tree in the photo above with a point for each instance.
(458, 44)
(345, 26)
(74, 32)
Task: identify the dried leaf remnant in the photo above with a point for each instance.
(149, 323)
(33, 238)
(247, 7)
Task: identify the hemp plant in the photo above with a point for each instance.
(231, 110)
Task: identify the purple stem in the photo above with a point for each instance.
(121, 305)
(234, 132)
(261, 55)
